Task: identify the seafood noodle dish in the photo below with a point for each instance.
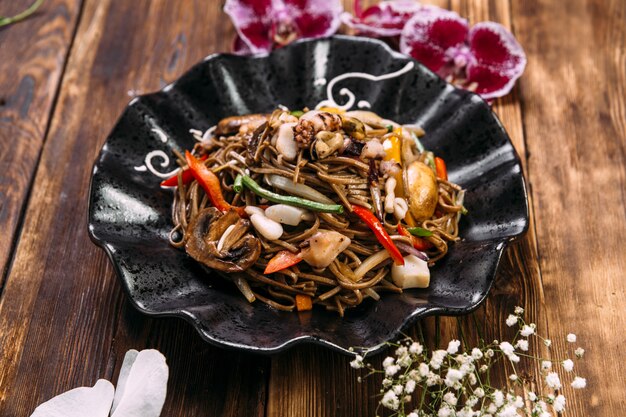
(312, 208)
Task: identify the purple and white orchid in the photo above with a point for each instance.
(265, 24)
(486, 58)
(383, 20)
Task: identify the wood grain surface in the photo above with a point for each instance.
(32, 59)
(67, 73)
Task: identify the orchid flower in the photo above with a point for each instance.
(385, 19)
(141, 390)
(486, 58)
(264, 24)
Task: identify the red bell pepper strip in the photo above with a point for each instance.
(379, 231)
(187, 176)
(282, 260)
(211, 184)
(418, 243)
(440, 167)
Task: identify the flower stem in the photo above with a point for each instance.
(4, 21)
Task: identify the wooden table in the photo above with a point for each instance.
(66, 74)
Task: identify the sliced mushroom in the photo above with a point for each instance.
(221, 241)
(234, 124)
(421, 190)
(256, 138)
(326, 143)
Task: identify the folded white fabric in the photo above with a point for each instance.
(141, 391)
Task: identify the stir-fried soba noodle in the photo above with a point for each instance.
(316, 207)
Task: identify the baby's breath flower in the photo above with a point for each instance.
(518, 310)
(483, 369)
(527, 330)
(498, 398)
(453, 346)
(414, 375)
(509, 351)
(453, 376)
(450, 398)
(553, 381)
(401, 351)
(546, 365)
(390, 400)
(433, 379)
(489, 353)
(423, 370)
(579, 383)
(479, 392)
(387, 382)
(511, 320)
(472, 379)
(472, 401)
(513, 377)
(548, 342)
(579, 352)
(508, 411)
(492, 408)
(416, 348)
(404, 361)
(437, 358)
(571, 338)
(466, 368)
(559, 403)
(568, 365)
(444, 411)
(410, 386)
(397, 389)
(522, 344)
(357, 363)
(477, 353)
(413, 414)
(532, 396)
(388, 361)
(392, 370)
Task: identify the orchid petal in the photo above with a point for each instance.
(145, 386)
(250, 20)
(262, 24)
(315, 18)
(499, 60)
(430, 33)
(239, 47)
(386, 19)
(127, 364)
(80, 402)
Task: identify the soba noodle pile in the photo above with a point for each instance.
(338, 161)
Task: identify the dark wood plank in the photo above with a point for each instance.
(65, 321)
(32, 58)
(297, 377)
(574, 98)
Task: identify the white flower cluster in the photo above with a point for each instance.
(452, 382)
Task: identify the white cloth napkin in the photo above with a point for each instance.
(141, 391)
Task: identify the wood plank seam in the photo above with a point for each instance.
(17, 234)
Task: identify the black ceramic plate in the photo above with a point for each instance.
(129, 214)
